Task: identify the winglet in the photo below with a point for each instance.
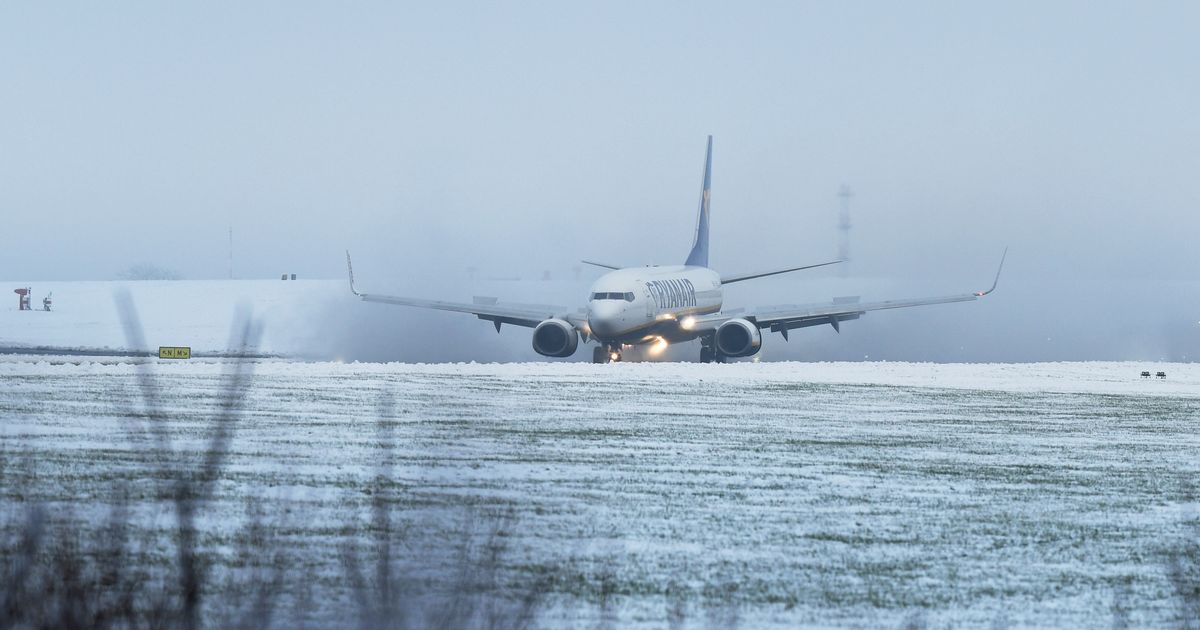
(350, 270)
(997, 280)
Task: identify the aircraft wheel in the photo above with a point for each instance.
(605, 354)
(708, 350)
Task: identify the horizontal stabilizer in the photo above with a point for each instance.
(599, 264)
(763, 274)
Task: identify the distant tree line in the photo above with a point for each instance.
(148, 271)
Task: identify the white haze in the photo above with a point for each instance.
(518, 138)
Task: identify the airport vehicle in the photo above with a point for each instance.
(656, 306)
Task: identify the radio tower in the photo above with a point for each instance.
(231, 252)
(844, 194)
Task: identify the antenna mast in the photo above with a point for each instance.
(844, 194)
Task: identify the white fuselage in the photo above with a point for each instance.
(642, 304)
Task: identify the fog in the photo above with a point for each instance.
(515, 139)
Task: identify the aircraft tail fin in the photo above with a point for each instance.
(699, 255)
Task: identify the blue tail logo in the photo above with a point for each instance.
(698, 257)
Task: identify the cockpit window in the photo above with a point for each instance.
(628, 297)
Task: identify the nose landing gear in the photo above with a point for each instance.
(606, 354)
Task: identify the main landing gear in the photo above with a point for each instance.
(606, 354)
(708, 350)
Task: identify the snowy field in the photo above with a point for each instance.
(860, 495)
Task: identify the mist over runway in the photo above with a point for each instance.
(321, 320)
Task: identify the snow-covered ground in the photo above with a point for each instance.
(778, 494)
(194, 313)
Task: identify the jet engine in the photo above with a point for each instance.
(555, 338)
(738, 338)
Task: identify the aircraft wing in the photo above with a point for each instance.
(487, 308)
(786, 317)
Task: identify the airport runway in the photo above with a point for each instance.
(860, 495)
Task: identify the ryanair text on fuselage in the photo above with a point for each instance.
(672, 293)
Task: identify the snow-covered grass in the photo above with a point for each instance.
(1183, 379)
(770, 494)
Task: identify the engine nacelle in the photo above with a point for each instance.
(738, 338)
(555, 338)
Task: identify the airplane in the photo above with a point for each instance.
(655, 306)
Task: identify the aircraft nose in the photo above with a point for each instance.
(601, 327)
(602, 319)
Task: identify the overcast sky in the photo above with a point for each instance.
(518, 138)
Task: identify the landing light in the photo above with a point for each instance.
(614, 356)
(658, 346)
(687, 323)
